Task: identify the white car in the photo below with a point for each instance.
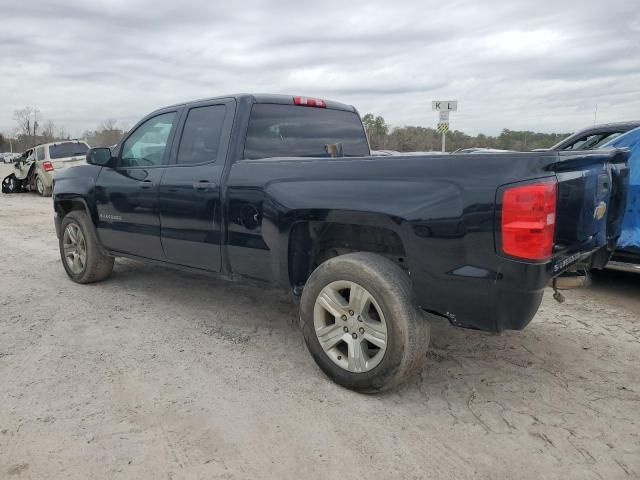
(35, 168)
(9, 157)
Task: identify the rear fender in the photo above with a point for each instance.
(47, 177)
(294, 260)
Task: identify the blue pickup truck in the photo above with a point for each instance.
(627, 256)
(284, 190)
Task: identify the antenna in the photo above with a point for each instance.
(595, 115)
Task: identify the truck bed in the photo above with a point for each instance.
(445, 211)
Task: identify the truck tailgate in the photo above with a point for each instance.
(590, 205)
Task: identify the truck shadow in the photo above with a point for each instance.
(568, 376)
(462, 365)
(620, 288)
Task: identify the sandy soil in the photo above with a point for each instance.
(160, 374)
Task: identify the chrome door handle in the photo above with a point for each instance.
(203, 185)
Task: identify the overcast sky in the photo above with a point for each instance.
(538, 65)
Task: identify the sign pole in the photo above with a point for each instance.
(444, 107)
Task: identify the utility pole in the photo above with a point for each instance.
(34, 114)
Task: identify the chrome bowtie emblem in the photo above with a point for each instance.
(600, 210)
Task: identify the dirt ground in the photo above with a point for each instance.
(160, 374)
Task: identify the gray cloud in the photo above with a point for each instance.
(540, 65)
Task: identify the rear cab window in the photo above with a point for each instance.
(277, 130)
(68, 149)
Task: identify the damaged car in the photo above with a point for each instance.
(33, 171)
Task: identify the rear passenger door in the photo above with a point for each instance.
(190, 207)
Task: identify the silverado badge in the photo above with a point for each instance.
(600, 210)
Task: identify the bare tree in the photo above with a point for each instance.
(108, 125)
(48, 131)
(62, 133)
(108, 133)
(27, 119)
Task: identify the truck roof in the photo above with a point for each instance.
(267, 98)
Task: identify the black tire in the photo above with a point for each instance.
(407, 326)
(46, 191)
(97, 266)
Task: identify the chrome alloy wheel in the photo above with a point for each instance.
(350, 326)
(75, 248)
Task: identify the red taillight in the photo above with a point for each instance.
(529, 220)
(48, 166)
(310, 102)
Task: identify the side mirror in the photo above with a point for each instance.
(99, 156)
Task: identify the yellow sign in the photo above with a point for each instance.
(443, 127)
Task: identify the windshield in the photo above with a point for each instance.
(293, 131)
(69, 149)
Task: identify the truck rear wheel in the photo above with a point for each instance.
(361, 324)
(81, 254)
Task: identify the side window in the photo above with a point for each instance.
(40, 153)
(201, 135)
(146, 146)
(581, 143)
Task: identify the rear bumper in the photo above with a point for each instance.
(504, 298)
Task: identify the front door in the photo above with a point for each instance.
(190, 208)
(127, 194)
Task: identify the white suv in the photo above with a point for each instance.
(42, 161)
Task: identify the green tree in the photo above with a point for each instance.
(411, 139)
(377, 130)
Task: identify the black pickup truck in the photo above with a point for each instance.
(283, 189)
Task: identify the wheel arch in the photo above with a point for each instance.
(64, 205)
(46, 177)
(311, 242)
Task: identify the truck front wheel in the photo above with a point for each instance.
(361, 324)
(80, 252)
